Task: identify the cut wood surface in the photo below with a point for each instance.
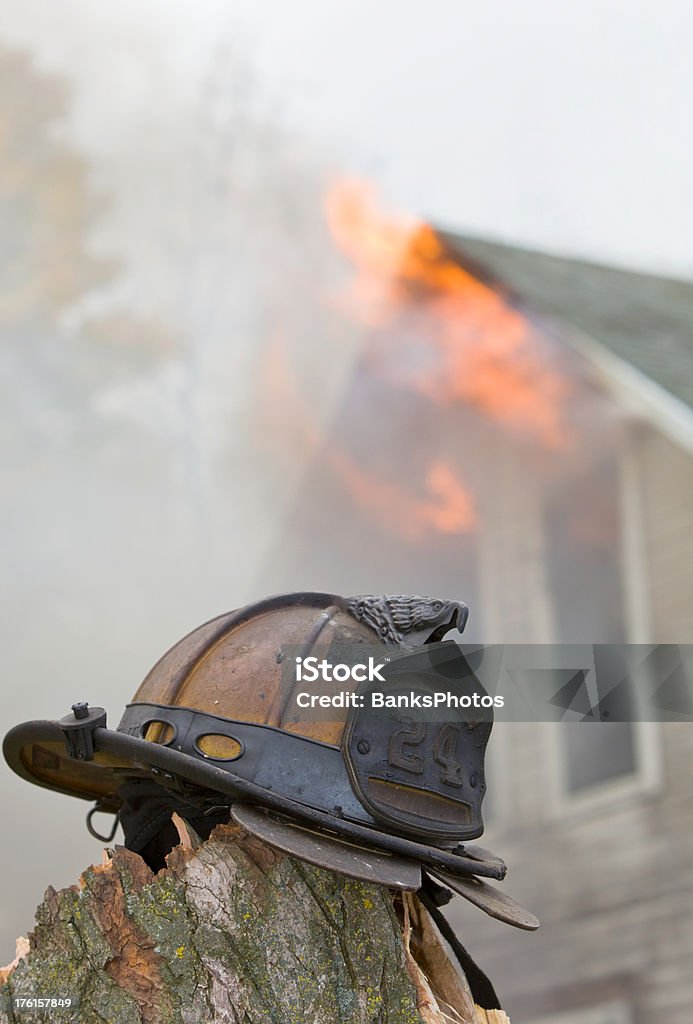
(233, 932)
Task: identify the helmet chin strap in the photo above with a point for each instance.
(147, 808)
(480, 985)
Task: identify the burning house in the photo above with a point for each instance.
(216, 390)
(517, 431)
(492, 434)
(402, 411)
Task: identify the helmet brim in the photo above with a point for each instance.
(36, 751)
(369, 865)
(489, 899)
(328, 851)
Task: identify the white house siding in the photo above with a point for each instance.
(613, 886)
(611, 879)
(667, 474)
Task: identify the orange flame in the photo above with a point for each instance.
(485, 353)
(446, 508)
(437, 330)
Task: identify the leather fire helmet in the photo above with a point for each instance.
(214, 732)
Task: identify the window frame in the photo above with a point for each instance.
(645, 780)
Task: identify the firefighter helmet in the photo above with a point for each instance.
(215, 730)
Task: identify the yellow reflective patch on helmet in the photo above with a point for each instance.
(221, 748)
(158, 732)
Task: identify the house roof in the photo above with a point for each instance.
(644, 320)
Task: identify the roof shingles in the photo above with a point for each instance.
(645, 320)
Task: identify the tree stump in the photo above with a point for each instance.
(234, 932)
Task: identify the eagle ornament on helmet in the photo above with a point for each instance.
(213, 733)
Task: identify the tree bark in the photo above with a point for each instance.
(233, 932)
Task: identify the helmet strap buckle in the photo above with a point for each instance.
(97, 808)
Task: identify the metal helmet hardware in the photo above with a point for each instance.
(213, 733)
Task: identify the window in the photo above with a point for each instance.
(599, 762)
(616, 753)
(583, 546)
(597, 753)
